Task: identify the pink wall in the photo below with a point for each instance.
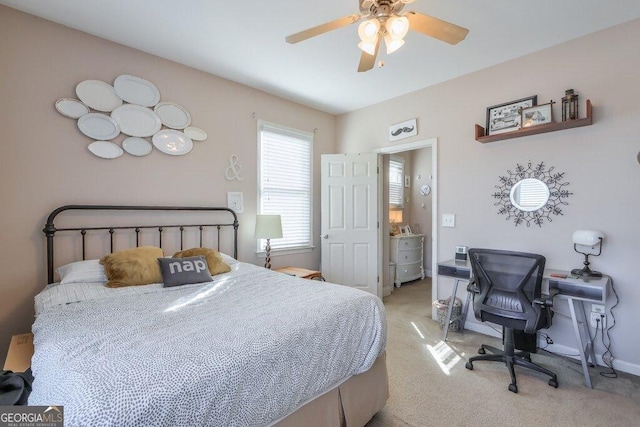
(599, 162)
(45, 161)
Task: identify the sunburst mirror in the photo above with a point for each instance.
(531, 194)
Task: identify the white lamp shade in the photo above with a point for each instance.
(268, 227)
(368, 30)
(392, 44)
(368, 47)
(587, 237)
(397, 27)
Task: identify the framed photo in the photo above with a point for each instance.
(536, 115)
(403, 130)
(505, 117)
(406, 230)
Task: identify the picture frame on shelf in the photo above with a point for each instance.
(536, 115)
(406, 230)
(505, 117)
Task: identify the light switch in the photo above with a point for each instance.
(234, 201)
(448, 220)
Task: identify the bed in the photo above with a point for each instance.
(250, 347)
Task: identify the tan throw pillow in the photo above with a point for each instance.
(214, 260)
(133, 267)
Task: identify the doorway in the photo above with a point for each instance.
(417, 179)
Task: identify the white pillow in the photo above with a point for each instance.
(228, 258)
(88, 271)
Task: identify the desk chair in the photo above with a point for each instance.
(506, 289)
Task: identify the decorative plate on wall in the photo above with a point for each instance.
(71, 108)
(98, 95)
(136, 90)
(136, 120)
(172, 142)
(173, 116)
(137, 146)
(98, 126)
(195, 133)
(105, 149)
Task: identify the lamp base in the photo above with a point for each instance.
(585, 272)
(267, 259)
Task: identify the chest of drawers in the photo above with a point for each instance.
(407, 253)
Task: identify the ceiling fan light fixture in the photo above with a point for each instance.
(369, 47)
(397, 27)
(392, 44)
(368, 30)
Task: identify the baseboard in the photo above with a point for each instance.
(573, 353)
(619, 365)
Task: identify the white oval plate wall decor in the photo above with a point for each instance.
(195, 133)
(98, 95)
(98, 126)
(136, 90)
(71, 108)
(173, 116)
(135, 120)
(172, 142)
(105, 149)
(137, 146)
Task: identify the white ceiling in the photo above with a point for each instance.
(243, 40)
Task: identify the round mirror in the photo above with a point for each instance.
(529, 194)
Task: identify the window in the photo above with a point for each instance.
(284, 183)
(396, 182)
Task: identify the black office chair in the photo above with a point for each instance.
(506, 289)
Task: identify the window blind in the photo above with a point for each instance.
(285, 183)
(396, 182)
(531, 195)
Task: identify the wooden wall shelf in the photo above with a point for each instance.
(534, 130)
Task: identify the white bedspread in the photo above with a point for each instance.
(244, 350)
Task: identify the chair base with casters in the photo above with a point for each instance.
(511, 358)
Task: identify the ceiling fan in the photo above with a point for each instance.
(383, 20)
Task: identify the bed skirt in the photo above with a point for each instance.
(351, 404)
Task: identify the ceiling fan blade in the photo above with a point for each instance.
(323, 28)
(367, 61)
(436, 28)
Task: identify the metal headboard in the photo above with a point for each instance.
(50, 229)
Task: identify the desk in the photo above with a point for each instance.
(460, 271)
(577, 292)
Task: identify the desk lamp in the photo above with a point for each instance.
(587, 238)
(268, 227)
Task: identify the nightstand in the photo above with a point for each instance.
(300, 272)
(19, 354)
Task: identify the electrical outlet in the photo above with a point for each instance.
(595, 316)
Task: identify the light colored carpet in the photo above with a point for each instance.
(429, 385)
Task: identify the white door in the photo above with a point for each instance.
(349, 224)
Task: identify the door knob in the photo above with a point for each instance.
(326, 236)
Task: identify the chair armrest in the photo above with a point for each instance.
(473, 286)
(547, 300)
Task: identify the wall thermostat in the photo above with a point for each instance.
(461, 253)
